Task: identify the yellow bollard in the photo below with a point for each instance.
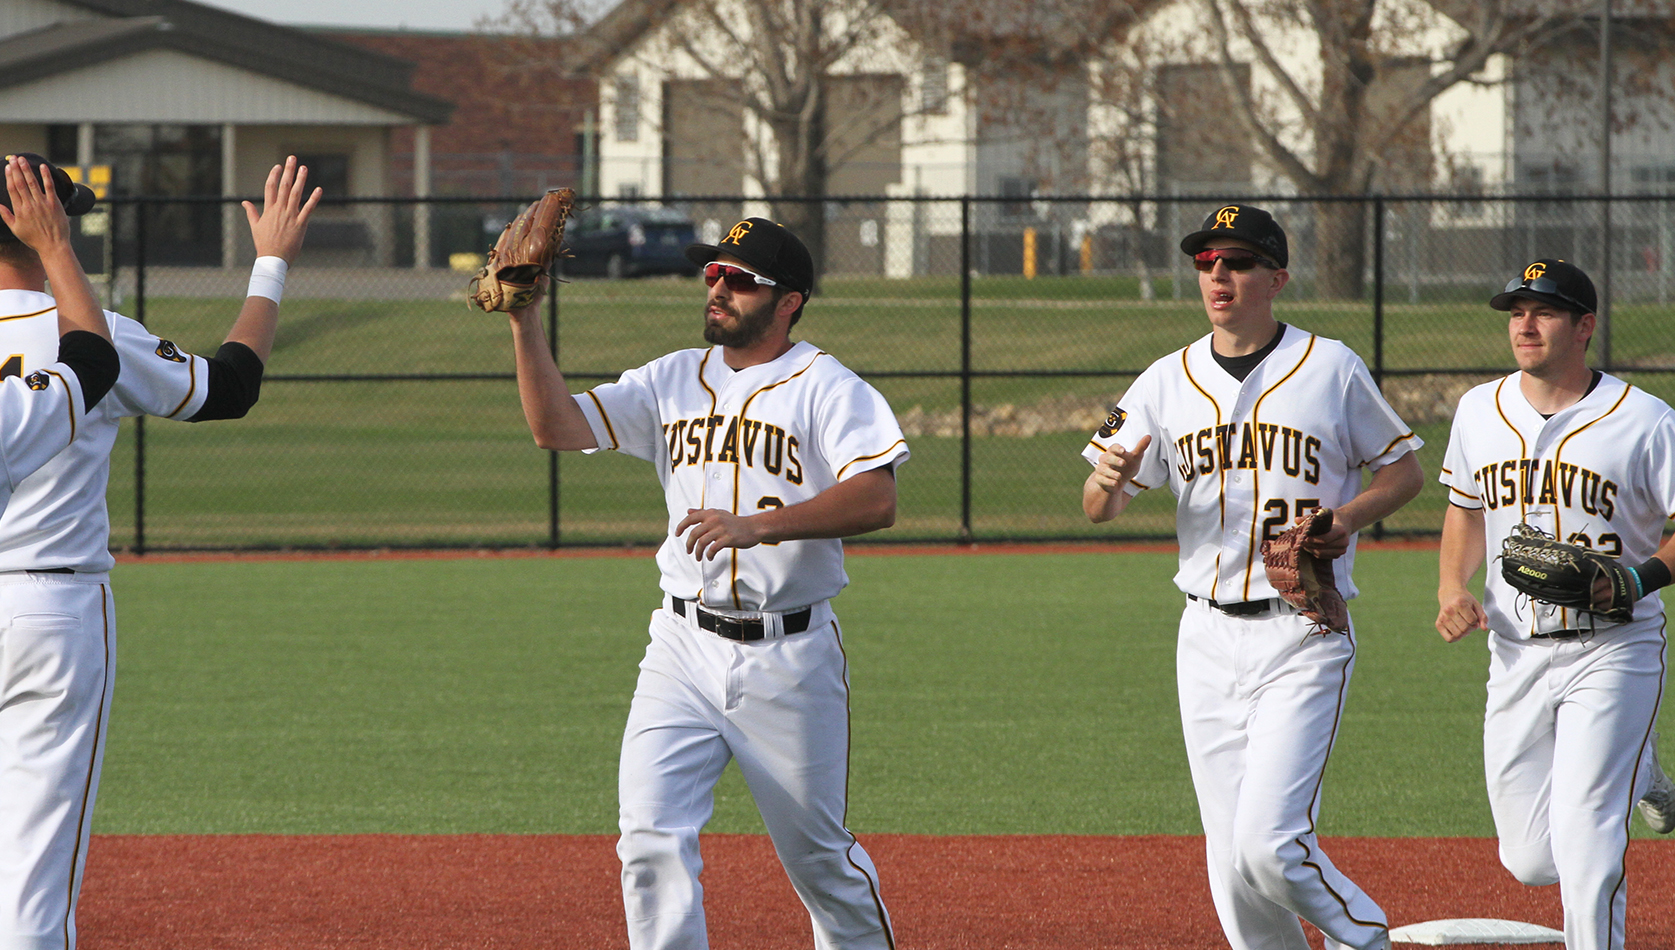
(1029, 253)
(1087, 254)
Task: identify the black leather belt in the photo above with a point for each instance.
(1243, 608)
(743, 630)
(1557, 635)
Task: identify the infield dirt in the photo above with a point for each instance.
(1040, 892)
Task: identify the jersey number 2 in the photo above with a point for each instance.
(1279, 515)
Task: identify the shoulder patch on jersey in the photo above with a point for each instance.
(38, 380)
(1112, 422)
(167, 350)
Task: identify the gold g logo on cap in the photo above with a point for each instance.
(736, 236)
(1535, 270)
(1224, 217)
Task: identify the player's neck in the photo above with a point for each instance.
(1556, 389)
(1245, 336)
(762, 351)
(16, 276)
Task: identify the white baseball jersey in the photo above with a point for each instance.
(1244, 459)
(745, 441)
(57, 516)
(1600, 473)
(39, 416)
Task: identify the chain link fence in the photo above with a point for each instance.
(1001, 331)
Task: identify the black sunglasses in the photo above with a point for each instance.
(1236, 258)
(1550, 287)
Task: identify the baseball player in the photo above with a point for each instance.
(39, 416)
(769, 451)
(57, 620)
(1251, 427)
(1568, 740)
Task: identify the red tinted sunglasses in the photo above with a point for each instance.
(737, 279)
(1236, 258)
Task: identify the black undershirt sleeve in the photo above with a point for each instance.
(235, 383)
(95, 361)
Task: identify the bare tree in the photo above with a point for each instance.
(1329, 124)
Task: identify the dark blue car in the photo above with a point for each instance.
(628, 241)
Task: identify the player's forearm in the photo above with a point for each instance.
(866, 502)
(78, 308)
(1101, 505)
(1461, 553)
(554, 419)
(1391, 487)
(256, 326)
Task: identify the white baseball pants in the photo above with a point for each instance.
(1260, 703)
(57, 668)
(1566, 753)
(781, 708)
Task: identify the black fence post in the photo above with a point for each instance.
(1378, 312)
(1378, 291)
(552, 455)
(139, 421)
(965, 369)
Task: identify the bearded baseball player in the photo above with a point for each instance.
(1568, 732)
(39, 416)
(769, 451)
(1252, 427)
(57, 615)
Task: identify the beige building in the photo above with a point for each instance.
(181, 99)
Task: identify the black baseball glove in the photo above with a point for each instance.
(1568, 575)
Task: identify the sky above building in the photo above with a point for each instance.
(448, 15)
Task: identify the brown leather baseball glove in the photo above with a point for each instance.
(523, 255)
(1306, 580)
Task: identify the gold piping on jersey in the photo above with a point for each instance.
(872, 885)
(743, 408)
(1476, 498)
(868, 458)
(1143, 485)
(604, 417)
(704, 483)
(1523, 447)
(1253, 550)
(1446, 470)
(25, 316)
(1221, 473)
(1651, 727)
(1393, 443)
(69, 391)
(1558, 459)
(191, 386)
(83, 822)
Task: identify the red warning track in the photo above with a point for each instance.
(1046, 892)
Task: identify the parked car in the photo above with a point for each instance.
(629, 240)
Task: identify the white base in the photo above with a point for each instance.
(1437, 933)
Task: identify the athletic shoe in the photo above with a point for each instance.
(1658, 807)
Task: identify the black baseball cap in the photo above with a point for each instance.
(1244, 222)
(1553, 281)
(77, 198)
(768, 248)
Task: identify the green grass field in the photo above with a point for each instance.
(451, 463)
(1027, 693)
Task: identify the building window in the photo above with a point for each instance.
(933, 89)
(62, 142)
(328, 171)
(1016, 188)
(628, 191)
(628, 108)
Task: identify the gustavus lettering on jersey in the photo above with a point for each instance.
(1540, 482)
(1263, 446)
(750, 442)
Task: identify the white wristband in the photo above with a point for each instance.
(267, 278)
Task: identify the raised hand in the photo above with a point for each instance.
(278, 229)
(36, 216)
